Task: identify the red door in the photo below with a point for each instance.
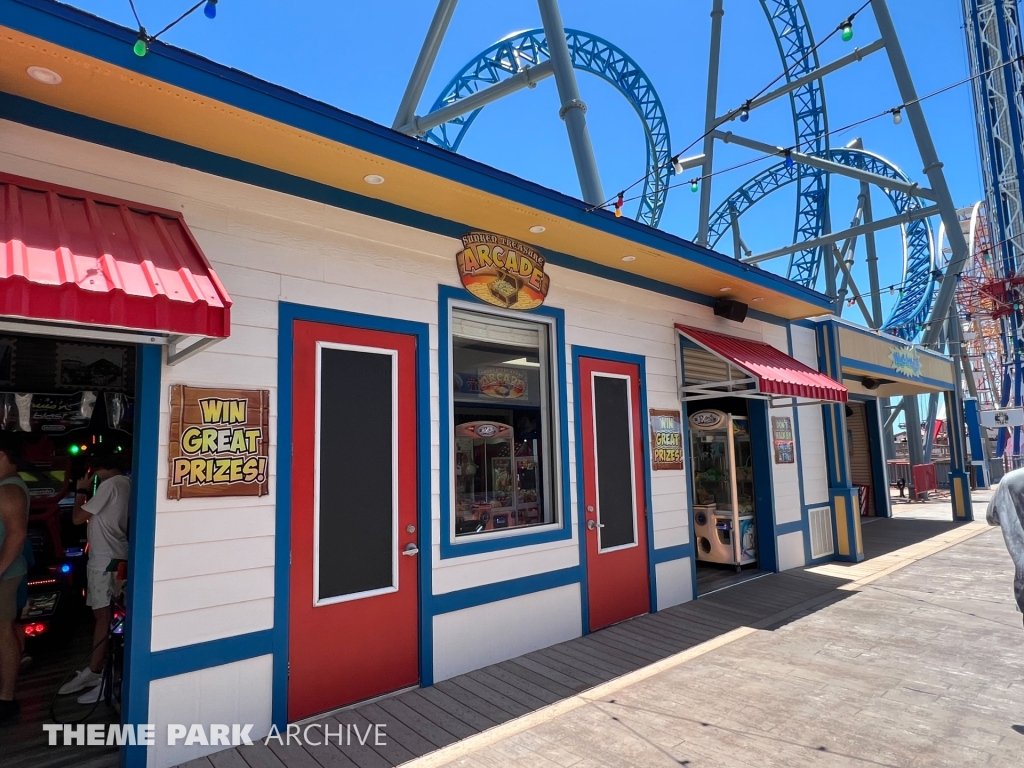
(615, 514)
(353, 621)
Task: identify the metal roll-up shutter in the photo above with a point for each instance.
(860, 451)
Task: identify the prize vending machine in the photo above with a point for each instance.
(723, 488)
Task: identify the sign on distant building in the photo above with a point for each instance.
(1005, 417)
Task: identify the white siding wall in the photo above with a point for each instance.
(486, 634)
(229, 694)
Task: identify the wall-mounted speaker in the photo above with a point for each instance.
(731, 309)
(870, 383)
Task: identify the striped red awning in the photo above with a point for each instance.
(72, 256)
(776, 372)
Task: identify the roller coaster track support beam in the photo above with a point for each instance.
(932, 169)
(959, 482)
(858, 54)
(424, 63)
(728, 137)
(710, 122)
(527, 78)
(870, 252)
(863, 229)
(573, 109)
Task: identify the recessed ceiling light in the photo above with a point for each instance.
(44, 75)
(629, 258)
(537, 229)
(373, 178)
(758, 298)
(724, 290)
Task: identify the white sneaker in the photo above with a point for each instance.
(91, 697)
(80, 682)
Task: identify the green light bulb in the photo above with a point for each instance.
(140, 48)
(73, 450)
(693, 186)
(847, 31)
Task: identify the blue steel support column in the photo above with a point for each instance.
(710, 109)
(573, 108)
(424, 63)
(972, 417)
(959, 484)
(842, 494)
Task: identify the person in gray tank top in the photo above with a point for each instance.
(14, 509)
(1006, 509)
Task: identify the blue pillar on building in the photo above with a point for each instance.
(972, 416)
(842, 494)
(959, 483)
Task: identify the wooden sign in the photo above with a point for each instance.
(782, 438)
(219, 442)
(666, 440)
(502, 271)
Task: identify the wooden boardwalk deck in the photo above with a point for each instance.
(419, 721)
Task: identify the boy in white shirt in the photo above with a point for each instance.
(107, 516)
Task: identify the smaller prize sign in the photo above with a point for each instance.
(782, 437)
(666, 440)
(219, 442)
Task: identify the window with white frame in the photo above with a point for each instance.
(503, 447)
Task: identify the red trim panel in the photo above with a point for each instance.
(776, 372)
(72, 256)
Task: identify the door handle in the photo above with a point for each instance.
(410, 550)
(592, 524)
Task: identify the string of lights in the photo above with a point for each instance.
(144, 39)
(846, 32)
(787, 153)
(845, 28)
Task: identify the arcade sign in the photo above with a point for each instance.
(501, 271)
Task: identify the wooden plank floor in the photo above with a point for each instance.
(419, 721)
(24, 743)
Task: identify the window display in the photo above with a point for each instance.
(502, 424)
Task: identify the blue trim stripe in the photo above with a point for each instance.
(479, 544)
(759, 424)
(503, 590)
(138, 660)
(675, 552)
(227, 650)
(688, 453)
(111, 43)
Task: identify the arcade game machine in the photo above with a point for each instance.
(723, 493)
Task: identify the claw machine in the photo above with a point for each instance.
(723, 488)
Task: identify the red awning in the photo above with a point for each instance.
(72, 256)
(776, 372)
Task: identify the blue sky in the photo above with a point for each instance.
(358, 56)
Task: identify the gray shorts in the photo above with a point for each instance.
(9, 599)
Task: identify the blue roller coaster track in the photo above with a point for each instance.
(915, 299)
(590, 54)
